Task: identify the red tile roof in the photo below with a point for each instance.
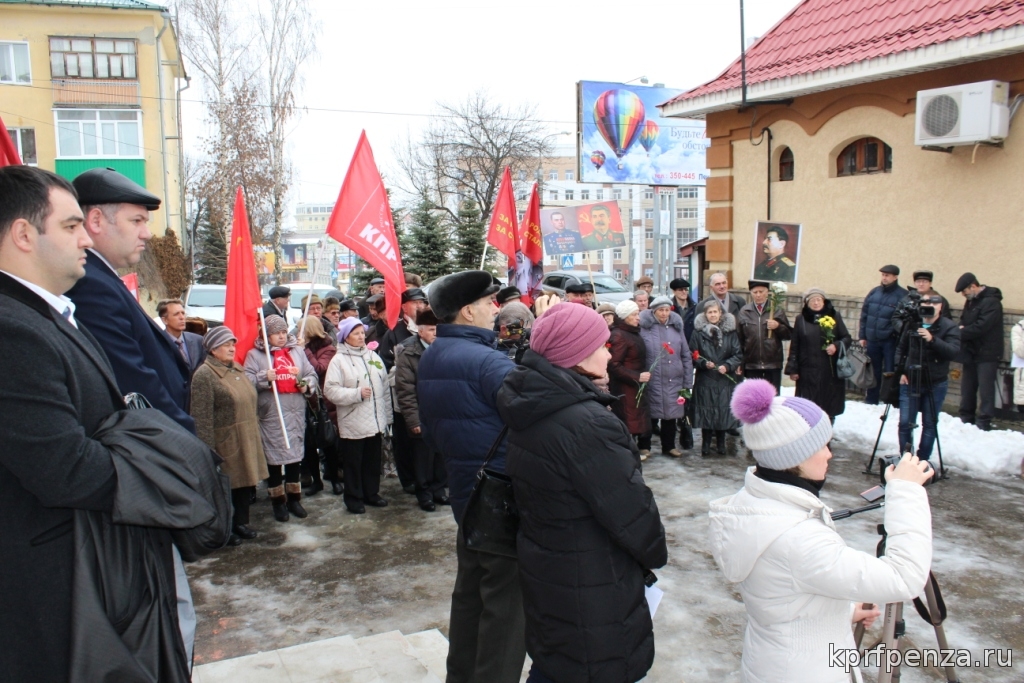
(823, 34)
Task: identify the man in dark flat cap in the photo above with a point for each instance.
(457, 388)
(876, 326)
(923, 285)
(144, 359)
(981, 349)
(507, 295)
(580, 293)
(277, 302)
(376, 288)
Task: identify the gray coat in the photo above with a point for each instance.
(712, 390)
(673, 372)
(292, 405)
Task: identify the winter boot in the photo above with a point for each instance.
(705, 442)
(294, 496)
(280, 502)
(720, 437)
(686, 436)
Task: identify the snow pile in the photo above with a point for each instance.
(964, 446)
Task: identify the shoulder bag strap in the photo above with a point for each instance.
(494, 447)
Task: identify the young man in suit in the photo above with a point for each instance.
(144, 358)
(57, 388)
(189, 345)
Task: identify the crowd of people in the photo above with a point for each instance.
(563, 397)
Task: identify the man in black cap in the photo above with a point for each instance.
(348, 308)
(762, 353)
(580, 293)
(277, 302)
(776, 266)
(508, 295)
(457, 388)
(413, 301)
(144, 359)
(682, 304)
(376, 288)
(876, 326)
(377, 320)
(923, 285)
(981, 349)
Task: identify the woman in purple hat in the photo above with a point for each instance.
(589, 528)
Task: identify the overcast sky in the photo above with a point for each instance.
(383, 66)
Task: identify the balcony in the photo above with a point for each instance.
(74, 92)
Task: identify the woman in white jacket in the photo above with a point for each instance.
(357, 384)
(802, 586)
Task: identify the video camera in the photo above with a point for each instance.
(911, 312)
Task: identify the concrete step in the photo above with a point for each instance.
(381, 658)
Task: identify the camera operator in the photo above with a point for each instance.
(801, 585)
(514, 323)
(927, 347)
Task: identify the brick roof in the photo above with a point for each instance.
(819, 35)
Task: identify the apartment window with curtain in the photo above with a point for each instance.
(92, 58)
(14, 64)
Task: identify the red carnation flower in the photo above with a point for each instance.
(668, 348)
(696, 355)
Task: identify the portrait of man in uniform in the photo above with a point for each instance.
(776, 251)
(561, 236)
(605, 227)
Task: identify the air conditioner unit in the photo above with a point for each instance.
(963, 114)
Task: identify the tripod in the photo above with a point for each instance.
(894, 627)
(920, 387)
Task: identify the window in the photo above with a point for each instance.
(586, 256)
(867, 155)
(522, 176)
(686, 235)
(648, 256)
(686, 212)
(92, 58)
(521, 214)
(618, 274)
(616, 194)
(649, 214)
(630, 193)
(584, 194)
(570, 175)
(599, 195)
(786, 164)
(553, 195)
(649, 193)
(523, 196)
(686, 193)
(14, 64)
(25, 142)
(649, 233)
(569, 194)
(98, 133)
(552, 175)
(616, 254)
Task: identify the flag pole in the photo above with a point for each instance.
(590, 274)
(273, 385)
(309, 297)
(483, 257)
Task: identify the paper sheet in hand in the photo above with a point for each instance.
(653, 595)
(1016, 361)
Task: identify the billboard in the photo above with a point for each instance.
(586, 227)
(624, 139)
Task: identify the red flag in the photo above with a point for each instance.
(361, 220)
(243, 299)
(8, 152)
(530, 271)
(503, 233)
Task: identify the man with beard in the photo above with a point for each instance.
(776, 266)
(601, 236)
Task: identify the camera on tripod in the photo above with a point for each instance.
(911, 312)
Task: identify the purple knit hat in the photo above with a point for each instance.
(781, 432)
(567, 333)
(346, 326)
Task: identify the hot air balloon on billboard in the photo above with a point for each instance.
(619, 115)
(649, 135)
(597, 158)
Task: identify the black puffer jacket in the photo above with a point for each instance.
(982, 334)
(589, 527)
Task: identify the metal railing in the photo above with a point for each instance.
(88, 91)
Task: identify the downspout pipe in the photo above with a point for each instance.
(163, 126)
(768, 177)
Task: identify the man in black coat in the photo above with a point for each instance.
(144, 359)
(277, 302)
(981, 349)
(931, 347)
(57, 388)
(719, 284)
(189, 344)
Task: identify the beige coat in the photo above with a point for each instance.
(224, 408)
(350, 370)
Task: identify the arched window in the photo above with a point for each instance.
(786, 164)
(867, 155)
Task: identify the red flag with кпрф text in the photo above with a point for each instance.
(242, 300)
(530, 261)
(361, 220)
(503, 233)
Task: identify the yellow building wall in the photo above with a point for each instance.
(31, 106)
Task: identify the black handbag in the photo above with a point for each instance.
(326, 430)
(491, 519)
